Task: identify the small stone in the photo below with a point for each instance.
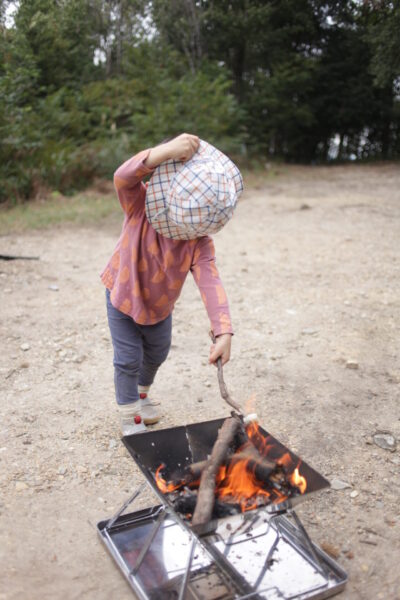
(25, 346)
(78, 358)
(385, 440)
(99, 499)
(354, 494)
(53, 287)
(207, 383)
(364, 568)
(338, 484)
(309, 331)
(112, 444)
(351, 364)
(276, 356)
(199, 399)
(81, 469)
(20, 486)
(62, 470)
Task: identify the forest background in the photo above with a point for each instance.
(85, 83)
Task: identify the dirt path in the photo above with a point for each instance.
(311, 266)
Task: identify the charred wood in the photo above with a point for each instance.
(206, 494)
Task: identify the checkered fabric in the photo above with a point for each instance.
(188, 200)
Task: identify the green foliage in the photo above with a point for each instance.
(85, 83)
(71, 135)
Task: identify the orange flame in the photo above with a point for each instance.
(298, 480)
(250, 404)
(237, 482)
(239, 485)
(163, 484)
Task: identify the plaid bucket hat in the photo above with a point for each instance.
(187, 200)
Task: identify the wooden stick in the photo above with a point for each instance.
(222, 387)
(206, 494)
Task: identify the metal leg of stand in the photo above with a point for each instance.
(308, 543)
(182, 592)
(267, 562)
(159, 521)
(125, 505)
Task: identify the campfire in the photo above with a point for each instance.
(250, 471)
(204, 540)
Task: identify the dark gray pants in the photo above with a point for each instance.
(139, 350)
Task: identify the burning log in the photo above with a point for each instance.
(185, 503)
(194, 471)
(259, 466)
(206, 494)
(246, 470)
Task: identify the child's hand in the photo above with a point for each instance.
(221, 348)
(180, 148)
(183, 147)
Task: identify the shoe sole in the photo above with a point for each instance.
(151, 421)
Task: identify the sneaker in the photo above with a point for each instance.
(149, 402)
(147, 410)
(130, 421)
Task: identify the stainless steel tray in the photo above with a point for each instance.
(264, 557)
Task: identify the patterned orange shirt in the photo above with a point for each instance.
(146, 271)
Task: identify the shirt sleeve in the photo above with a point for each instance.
(128, 183)
(207, 278)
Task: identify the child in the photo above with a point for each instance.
(192, 192)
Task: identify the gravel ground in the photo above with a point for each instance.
(310, 264)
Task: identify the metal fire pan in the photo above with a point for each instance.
(178, 447)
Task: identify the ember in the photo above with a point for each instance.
(256, 472)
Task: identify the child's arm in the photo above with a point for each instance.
(128, 177)
(128, 183)
(180, 148)
(207, 278)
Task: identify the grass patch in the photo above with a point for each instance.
(96, 204)
(86, 208)
(257, 174)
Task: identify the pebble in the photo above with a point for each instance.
(309, 331)
(78, 359)
(338, 484)
(20, 486)
(385, 440)
(25, 347)
(112, 444)
(351, 364)
(62, 470)
(53, 287)
(207, 383)
(276, 356)
(354, 494)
